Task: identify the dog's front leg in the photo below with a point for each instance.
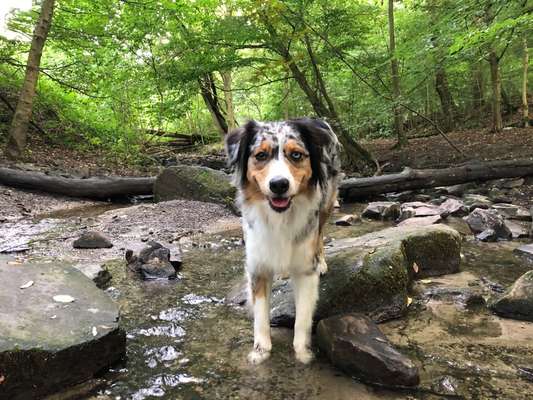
(260, 290)
(305, 297)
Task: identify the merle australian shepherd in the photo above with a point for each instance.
(287, 174)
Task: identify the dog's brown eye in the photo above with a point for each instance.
(261, 156)
(296, 155)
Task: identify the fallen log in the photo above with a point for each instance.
(410, 179)
(101, 188)
(350, 189)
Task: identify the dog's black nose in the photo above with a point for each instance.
(279, 185)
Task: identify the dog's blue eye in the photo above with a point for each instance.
(261, 156)
(296, 155)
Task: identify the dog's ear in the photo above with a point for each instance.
(237, 144)
(323, 147)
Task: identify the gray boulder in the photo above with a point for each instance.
(92, 240)
(517, 303)
(49, 342)
(481, 220)
(383, 210)
(194, 183)
(355, 344)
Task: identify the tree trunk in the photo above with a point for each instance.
(478, 94)
(19, 126)
(525, 106)
(410, 179)
(395, 75)
(210, 96)
(228, 97)
(355, 153)
(97, 188)
(446, 99)
(497, 123)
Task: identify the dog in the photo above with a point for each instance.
(286, 174)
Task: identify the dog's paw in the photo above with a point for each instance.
(258, 355)
(304, 355)
(322, 266)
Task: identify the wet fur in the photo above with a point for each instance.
(287, 243)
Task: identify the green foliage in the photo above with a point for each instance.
(113, 70)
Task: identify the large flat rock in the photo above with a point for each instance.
(46, 345)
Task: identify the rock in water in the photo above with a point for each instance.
(382, 210)
(155, 261)
(92, 240)
(96, 272)
(421, 221)
(46, 345)
(526, 251)
(346, 220)
(371, 274)
(481, 220)
(355, 344)
(517, 303)
(194, 183)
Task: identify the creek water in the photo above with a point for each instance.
(185, 342)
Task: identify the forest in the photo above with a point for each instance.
(283, 199)
(127, 75)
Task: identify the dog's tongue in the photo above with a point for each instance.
(280, 202)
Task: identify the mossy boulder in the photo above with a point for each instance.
(371, 274)
(191, 182)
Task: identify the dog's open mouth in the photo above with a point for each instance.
(279, 204)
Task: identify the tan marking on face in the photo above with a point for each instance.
(257, 174)
(300, 170)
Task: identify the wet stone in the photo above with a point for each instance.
(92, 240)
(519, 229)
(481, 220)
(355, 344)
(512, 211)
(46, 345)
(517, 302)
(95, 272)
(421, 221)
(346, 220)
(155, 261)
(473, 201)
(384, 210)
(526, 251)
(453, 207)
(446, 386)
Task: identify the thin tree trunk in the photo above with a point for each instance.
(446, 99)
(355, 153)
(21, 119)
(228, 97)
(497, 123)
(209, 94)
(525, 106)
(396, 92)
(478, 93)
